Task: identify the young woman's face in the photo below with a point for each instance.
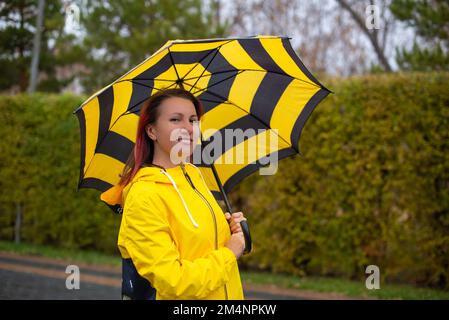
(176, 128)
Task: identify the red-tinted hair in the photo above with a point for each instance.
(144, 148)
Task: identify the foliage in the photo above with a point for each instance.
(40, 169)
(429, 19)
(371, 186)
(123, 33)
(58, 50)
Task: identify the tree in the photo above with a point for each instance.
(374, 35)
(429, 19)
(325, 39)
(121, 34)
(17, 25)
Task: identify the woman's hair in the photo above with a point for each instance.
(144, 147)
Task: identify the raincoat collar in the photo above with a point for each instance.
(116, 195)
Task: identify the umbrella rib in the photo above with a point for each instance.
(211, 74)
(204, 69)
(199, 62)
(254, 116)
(255, 70)
(173, 63)
(216, 83)
(220, 72)
(146, 86)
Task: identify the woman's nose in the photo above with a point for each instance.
(188, 126)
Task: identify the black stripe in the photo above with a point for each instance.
(267, 96)
(246, 171)
(243, 123)
(217, 195)
(209, 101)
(190, 57)
(288, 47)
(154, 71)
(257, 52)
(305, 113)
(82, 124)
(95, 183)
(220, 82)
(218, 63)
(106, 102)
(209, 58)
(237, 177)
(217, 91)
(116, 146)
(141, 90)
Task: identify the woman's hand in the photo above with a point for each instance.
(234, 221)
(236, 244)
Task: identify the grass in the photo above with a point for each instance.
(346, 287)
(89, 257)
(314, 284)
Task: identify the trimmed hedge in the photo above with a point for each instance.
(39, 169)
(371, 185)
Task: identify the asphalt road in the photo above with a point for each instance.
(38, 278)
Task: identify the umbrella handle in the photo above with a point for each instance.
(247, 236)
(243, 223)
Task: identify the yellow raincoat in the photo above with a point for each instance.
(174, 231)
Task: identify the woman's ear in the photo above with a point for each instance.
(150, 130)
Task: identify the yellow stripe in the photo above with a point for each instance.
(92, 116)
(252, 149)
(190, 71)
(219, 117)
(127, 126)
(245, 87)
(145, 65)
(106, 168)
(238, 57)
(278, 53)
(289, 107)
(122, 96)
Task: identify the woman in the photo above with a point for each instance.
(172, 229)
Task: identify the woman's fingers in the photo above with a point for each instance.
(234, 221)
(236, 227)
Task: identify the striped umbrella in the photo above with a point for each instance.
(255, 84)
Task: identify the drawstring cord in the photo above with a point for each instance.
(182, 199)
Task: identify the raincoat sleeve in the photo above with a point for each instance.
(156, 257)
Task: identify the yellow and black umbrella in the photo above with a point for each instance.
(255, 84)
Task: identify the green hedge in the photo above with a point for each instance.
(39, 169)
(371, 185)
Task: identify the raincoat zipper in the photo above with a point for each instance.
(211, 211)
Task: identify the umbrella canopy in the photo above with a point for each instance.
(256, 83)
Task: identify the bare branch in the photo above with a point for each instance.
(372, 36)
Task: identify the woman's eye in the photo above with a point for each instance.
(194, 120)
(174, 119)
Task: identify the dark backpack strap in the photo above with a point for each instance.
(135, 287)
